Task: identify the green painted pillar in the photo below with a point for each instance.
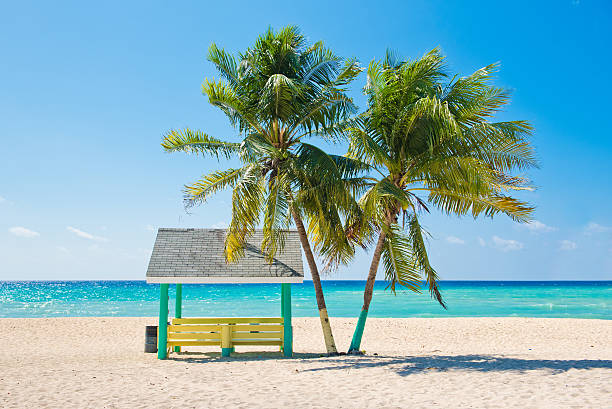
(286, 314)
(282, 301)
(178, 307)
(282, 308)
(178, 313)
(162, 329)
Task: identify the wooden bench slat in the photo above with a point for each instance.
(194, 335)
(258, 342)
(248, 328)
(192, 343)
(194, 328)
(229, 320)
(249, 335)
(217, 328)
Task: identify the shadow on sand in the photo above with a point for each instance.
(204, 357)
(408, 365)
(483, 363)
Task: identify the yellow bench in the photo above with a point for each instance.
(225, 332)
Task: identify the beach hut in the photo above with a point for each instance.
(195, 256)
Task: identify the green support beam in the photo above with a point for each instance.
(162, 329)
(282, 301)
(178, 307)
(178, 313)
(286, 314)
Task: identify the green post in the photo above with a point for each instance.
(282, 308)
(162, 331)
(178, 313)
(356, 341)
(178, 307)
(286, 314)
(282, 301)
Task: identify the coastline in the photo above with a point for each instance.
(410, 362)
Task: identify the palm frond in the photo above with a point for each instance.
(384, 198)
(198, 192)
(247, 204)
(276, 217)
(462, 204)
(415, 234)
(322, 114)
(399, 263)
(348, 73)
(278, 96)
(190, 141)
(365, 147)
(225, 64)
(237, 110)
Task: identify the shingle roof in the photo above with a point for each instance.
(196, 256)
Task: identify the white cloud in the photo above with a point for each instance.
(23, 232)
(506, 245)
(150, 227)
(62, 249)
(220, 225)
(567, 245)
(454, 240)
(482, 242)
(2, 199)
(85, 235)
(537, 226)
(593, 227)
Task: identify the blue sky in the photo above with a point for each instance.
(88, 89)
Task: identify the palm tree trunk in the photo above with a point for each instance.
(367, 295)
(330, 345)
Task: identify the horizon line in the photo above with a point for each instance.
(358, 280)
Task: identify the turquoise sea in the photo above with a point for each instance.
(565, 299)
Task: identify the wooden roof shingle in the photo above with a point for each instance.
(196, 256)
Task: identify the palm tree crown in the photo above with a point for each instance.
(279, 92)
(423, 136)
(431, 144)
(275, 94)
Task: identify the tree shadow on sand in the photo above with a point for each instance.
(482, 363)
(206, 357)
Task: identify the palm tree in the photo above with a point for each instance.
(276, 94)
(424, 136)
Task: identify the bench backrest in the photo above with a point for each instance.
(210, 331)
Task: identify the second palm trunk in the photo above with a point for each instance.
(367, 295)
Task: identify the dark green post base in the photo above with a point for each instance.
(356, 342)
(226, 351)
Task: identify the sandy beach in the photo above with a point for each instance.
(416, 363)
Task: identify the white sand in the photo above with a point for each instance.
(421, 363)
